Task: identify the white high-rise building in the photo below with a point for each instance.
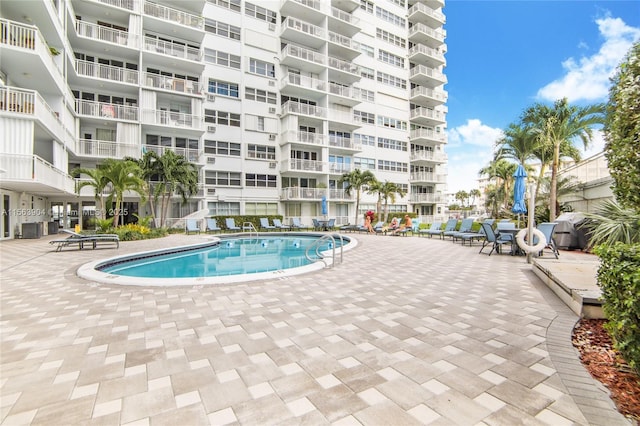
(272, 100)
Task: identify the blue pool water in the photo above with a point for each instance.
(226, 257)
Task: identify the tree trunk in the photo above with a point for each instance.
(553, 187)
(357, 205)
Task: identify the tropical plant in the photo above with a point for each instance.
(387, 191)
(463, 197)
(123, 176)
(356, 180)
(501, 171)
(98, 181)
(560, 124)
(612, 222)
(473, 194)
(622, 128)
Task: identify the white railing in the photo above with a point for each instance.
(17, 100)
(341, 116)
(173, 119)
(427, 112)
(427, 155)
(123, 4)
(430, 72)
(420, 7)
(171, 83)
(292, 193)
(343, 41)
(425, 198)
(26, 37)
(430, 134)
(190, 154)
(106, 110)
(438, 95)
(303, 81)
(588, 170)
(340, 194)
(302, 53)
(345, 91)
(344, 16)
(31, 168)
(106, 149)
(340, 168)
(294, 164)
(344, 66)
(427, 51)
(438, 34)
(98, 32)
(342, 142)
(107, 72)
(427, 177)
(173, 15)
(172, 49)
(314, 4)
(302, 26)
(293, 136)
(304, 109)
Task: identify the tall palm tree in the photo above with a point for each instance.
(173, 174)
(463, 197)
(561, 124)
(502, 171)
(388, 191)
(473, 194)
(123, 176)
(356, 180)
(98, 181)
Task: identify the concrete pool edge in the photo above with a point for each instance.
(89, 272)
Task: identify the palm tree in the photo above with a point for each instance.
(388, 191)
(375, 187)
(558, 125)
(123, 176)
(502, 171)
(356, 180)
(462, 196)
(474, 193)
(173, 173)
(98, 181)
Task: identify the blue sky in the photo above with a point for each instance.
(504, 56)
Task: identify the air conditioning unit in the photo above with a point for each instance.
(211, 97)
(272, 110)
(273, 165)
(211, 191)
(272, 83)
(272, 137)
(211, 129)
(211, 160)
(272, 27)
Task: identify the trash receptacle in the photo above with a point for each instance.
(31, 230)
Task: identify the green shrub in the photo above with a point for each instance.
(619, 280)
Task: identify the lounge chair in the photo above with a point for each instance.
(331, 224)
(504, 226)
(296, 224)
(212, 226)
(547, 229)
(434, 229)
(82, 240)
(470, 236)
(192, 225)
(317, 226)
(264, 224)
(495, 240)
(379, 228)
(465, 226)
(231, 224)
(278, 224)
(449, 228)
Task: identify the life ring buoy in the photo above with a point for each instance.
(542, 240)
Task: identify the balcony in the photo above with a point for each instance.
(298, 108)
(344, 119)
(427, 136)
(340, 168)
(425, 198)
(172, 84)
(428, 97)
(300, 57)
(343, 70)
(105, 110)
(307, 166)
(303, 86)
(30, 173)
(425, 76)
(297, 193)
(304, 138)
(174, 16)
(303, 32)
(192, 155)
(430, 56)
(427, 117)
(169, 48)
(343, 46)
(106, 34)
(340, 143)
(428, 156)
(106, 149)
(423, 13)
(343, 22)
(122, 4)
(422, 34)
(172, 119)
(427, 177)
(106, 72)
(341, 194)
(310, 9)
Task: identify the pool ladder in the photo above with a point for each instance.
(250, 228)
(316, 245)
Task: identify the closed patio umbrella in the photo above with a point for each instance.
(325, 211)
(519, 188)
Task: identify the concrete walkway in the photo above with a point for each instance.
(406, 331)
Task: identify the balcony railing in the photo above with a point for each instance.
(191, 154)
(421, 28)
(107, 72)
(428, 134)
(340, 168)
(430, 72)
(343, 41)
(302, 53)
(438, 95)
(31, 168)
(106, 110)
(344, 16)
(314, 4)
(428, 113)
(340, 194)
(427, 177)
(302, 26)
(171, 83)
(294, 164)
(26, 37)
(342, 142)
(425, 198)
(173, 15)
(427, 51)
(123, 4)
(172, 49)
(110, 35)
(428, 156)
(293, 193)
(304, 137)
(341, 116)
(106, 149)
(345, 91)
(344, 66)
(173, 119)
(303, 81)
(17, 100)
(420, 7)
(291, 107)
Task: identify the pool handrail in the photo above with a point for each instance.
(316, 245)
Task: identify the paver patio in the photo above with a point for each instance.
(406, 331)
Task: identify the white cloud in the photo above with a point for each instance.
(470, 148)
(588, 78)
(596, 146)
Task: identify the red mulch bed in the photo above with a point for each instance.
(607, 366)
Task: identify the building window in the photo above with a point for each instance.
(223, 208)
(393, 123)
(365, 139)
(261, 181)
(221, 29)
(222, 118)
(392, 166)
(392, 80)
(392, 144)
(398, 2)
(367, 6)
(390, 58)
(364, 163)
(260, 13)
(221, 58)
(390, 38)
(260, 95)
(223, 88)
(367, 50)
(261, 208)
(367, 95)
(367, 73)
(220, 178)
(364, 117)
(385, 15)
(261, 152)
(262, 68)
(228, 4)
(221, 148)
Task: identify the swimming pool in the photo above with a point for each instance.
(220, 260)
